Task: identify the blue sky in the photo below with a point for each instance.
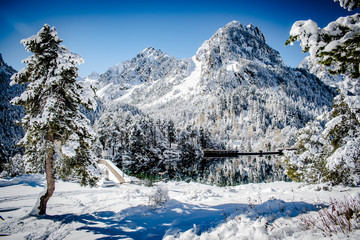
(108, 32)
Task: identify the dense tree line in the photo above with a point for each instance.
(141, 145)
(145, 147)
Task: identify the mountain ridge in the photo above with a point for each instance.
(235, 85)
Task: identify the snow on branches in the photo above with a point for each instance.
(55, 127)
(337, 45)
(332, 153)
(349, 4)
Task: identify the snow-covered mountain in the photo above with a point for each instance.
(148, 66)
(93, 76)
(10, 132)
(236, 86)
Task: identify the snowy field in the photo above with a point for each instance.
(193, 211)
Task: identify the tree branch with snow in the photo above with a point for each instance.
(337, 45)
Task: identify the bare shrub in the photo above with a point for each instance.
(339, 217)
(159, 197)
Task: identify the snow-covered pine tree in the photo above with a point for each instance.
(203, 138)
(138, 147)
(171, 134)
(343, 132)
(190, 150)
(308, 164)
(58, 137)
(349, 4)
(3, 156)
(337, 47)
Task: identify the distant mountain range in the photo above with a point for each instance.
(235, 85)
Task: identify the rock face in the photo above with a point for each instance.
(234, 42)
(10, 132)
(236, 86)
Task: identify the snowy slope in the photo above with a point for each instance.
(193, 211)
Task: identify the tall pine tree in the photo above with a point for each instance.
(58, 137)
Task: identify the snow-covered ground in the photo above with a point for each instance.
(193, 211)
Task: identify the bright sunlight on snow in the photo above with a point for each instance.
(190, 211)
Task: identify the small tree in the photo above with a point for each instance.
(57, 139)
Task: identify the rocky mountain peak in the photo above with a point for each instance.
(253, 30)
(236, 41)
(93, 76)
(151, 51)
(149, 55)
(149, 65)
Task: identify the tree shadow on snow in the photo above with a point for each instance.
(144, 222)
(32, 180)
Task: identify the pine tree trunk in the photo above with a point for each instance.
(50, 180)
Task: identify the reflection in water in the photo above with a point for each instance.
(239, 170)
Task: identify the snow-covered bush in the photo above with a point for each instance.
(159, 197)
(339, 217)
